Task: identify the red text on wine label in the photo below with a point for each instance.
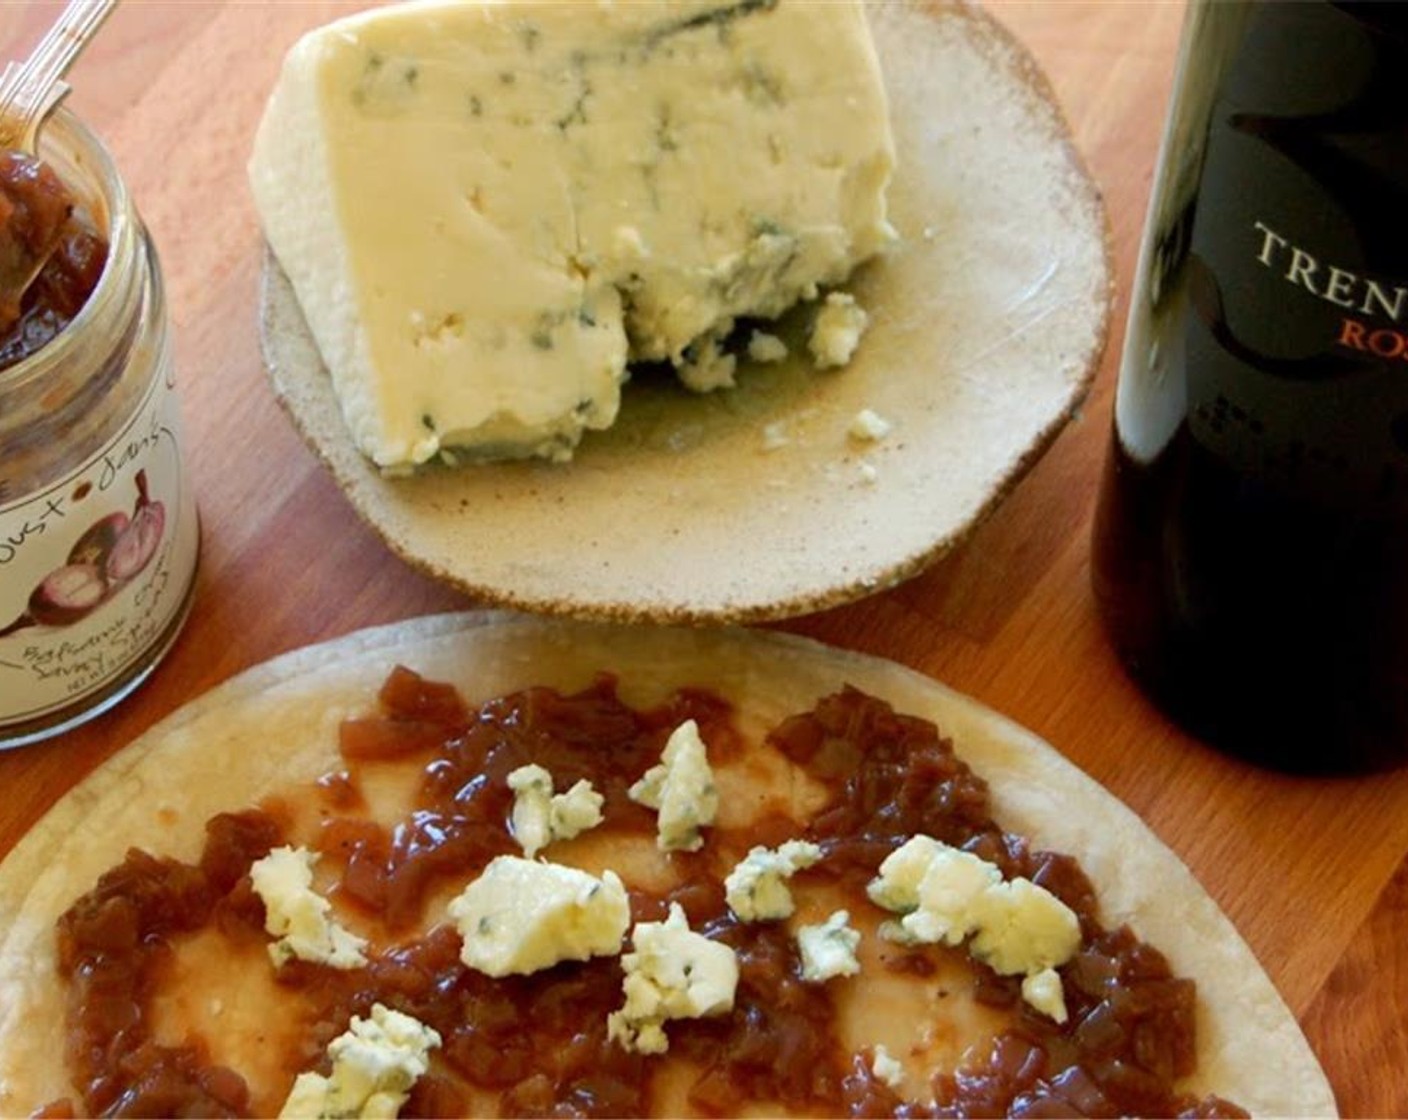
(1382, 342)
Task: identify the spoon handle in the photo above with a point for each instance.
(30, 90)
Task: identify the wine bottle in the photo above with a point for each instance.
(1250, 552)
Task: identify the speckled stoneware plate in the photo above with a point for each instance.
(752, 504)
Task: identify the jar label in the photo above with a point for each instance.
(95, 570)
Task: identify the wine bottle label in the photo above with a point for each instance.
(95, 569)
(1296, 340)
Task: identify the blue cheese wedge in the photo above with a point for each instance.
(1014, 926)
(488, 209)
(297, 916)
(375, 1064)
(521, 916)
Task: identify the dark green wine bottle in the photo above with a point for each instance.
(1251, 540)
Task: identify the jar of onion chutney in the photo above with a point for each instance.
(98, 526)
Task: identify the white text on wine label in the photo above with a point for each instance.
(1329, 282)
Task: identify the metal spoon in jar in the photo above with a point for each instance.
(29, 92)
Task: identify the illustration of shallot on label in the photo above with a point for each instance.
(111, 552)
(95, 572)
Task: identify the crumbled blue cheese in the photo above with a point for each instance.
(1024, 929)
(671, 973)
(937, 888)
(886, 1068)
(681, 787)
(483, 231)
(868, 426)
(946, 895)
(829, 949)
(374, 1066)
(764, 347)
(1044, 992)
(775, 436)
(298, 916)
(523, 915)
(836, 331)
(756, 889)
(540, 816)
(705, 365)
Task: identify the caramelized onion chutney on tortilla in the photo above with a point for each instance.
(483, 864)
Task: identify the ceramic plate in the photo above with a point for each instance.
(986, 325)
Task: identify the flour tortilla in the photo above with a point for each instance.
(276, 725)
(987, 324)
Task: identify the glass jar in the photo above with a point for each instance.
(98, 526)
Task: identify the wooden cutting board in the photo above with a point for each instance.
(1312, 871)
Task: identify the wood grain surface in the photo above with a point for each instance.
(1312, 871)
